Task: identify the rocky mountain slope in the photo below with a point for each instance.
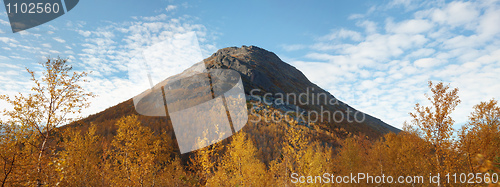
(265, 71)
(269, 83)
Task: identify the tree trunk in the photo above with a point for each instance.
(39, 164)
(7, 173)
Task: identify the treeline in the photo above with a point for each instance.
(139, 157)
(35, 152)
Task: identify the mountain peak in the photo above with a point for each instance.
(248, 52)
(258, 67)
(240, 50)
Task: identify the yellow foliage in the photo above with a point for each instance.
(240, 166)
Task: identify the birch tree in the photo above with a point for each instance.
(54, 97)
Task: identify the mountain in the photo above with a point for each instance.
(264, 70)
(268, 83)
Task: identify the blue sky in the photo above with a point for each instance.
(376, 56)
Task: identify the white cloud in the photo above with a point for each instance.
(293, 47)
(111, 53)
(169, 57)
(160, 17)
(19, 57)
(47, 45)
(381, 47)
(109, 91)
(7, 65)
(413, 26)
(3, 22)
(334, 72)
(343, 34)
(493, 57)
(170, 8)
(427, 62)
(489, 23)
(400, 3)
(409, 5)
(8, 40)
(323, 46)
(456, 13)
(84, 33)
(59, 40)
(422, 52)
(356, 16)
(370, 26)
(54, 52)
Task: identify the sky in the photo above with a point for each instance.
(377, 56)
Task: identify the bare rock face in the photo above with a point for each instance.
(264, 72)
